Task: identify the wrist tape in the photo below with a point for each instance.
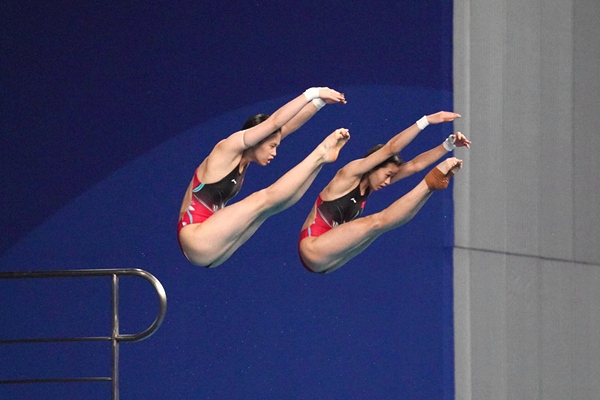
(312, 93)
(449, 142)
(318, 102)
(422, 122)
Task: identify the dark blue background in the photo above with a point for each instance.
(106, 111)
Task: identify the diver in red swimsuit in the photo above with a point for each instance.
(209, 230)
(333, 233)
(209, 198)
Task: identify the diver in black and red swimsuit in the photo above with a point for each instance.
(334, 232)
(209, 198)
(336, 212)
(209, 230)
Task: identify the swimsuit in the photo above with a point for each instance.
(332, 213)
(208, 198)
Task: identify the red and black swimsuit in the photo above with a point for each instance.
(208, 198)
(336, 212)
(330, 214)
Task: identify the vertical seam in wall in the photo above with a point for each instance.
(504, 88)
(539, 123)
(572, 278)
(573, 184)
(462, 43)
(467, 105)
(572, 135)
(539, 288)
(539, 263)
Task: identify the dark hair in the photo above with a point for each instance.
(395, 159)
(255, 120)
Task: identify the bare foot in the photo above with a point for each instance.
(451, 165)
(331, 146)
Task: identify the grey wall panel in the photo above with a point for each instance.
(555, 330)
(586, 129)
(526, 327)
(488, 329)
(555, 158)
(514, 87)
(521, 104)
(585, 332)
(527, 208)
(522, 327)
(462, 105)
(487, 210)
(462, 324)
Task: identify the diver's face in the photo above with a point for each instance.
(266, 150)
(381, 177)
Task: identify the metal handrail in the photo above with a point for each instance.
(116, 336)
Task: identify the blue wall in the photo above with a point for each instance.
(113, 109)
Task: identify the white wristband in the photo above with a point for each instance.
(312, 93)
(318, 102)
(422, 122)
(449, 143)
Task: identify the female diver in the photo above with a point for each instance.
(333, 234)
(208, 232)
